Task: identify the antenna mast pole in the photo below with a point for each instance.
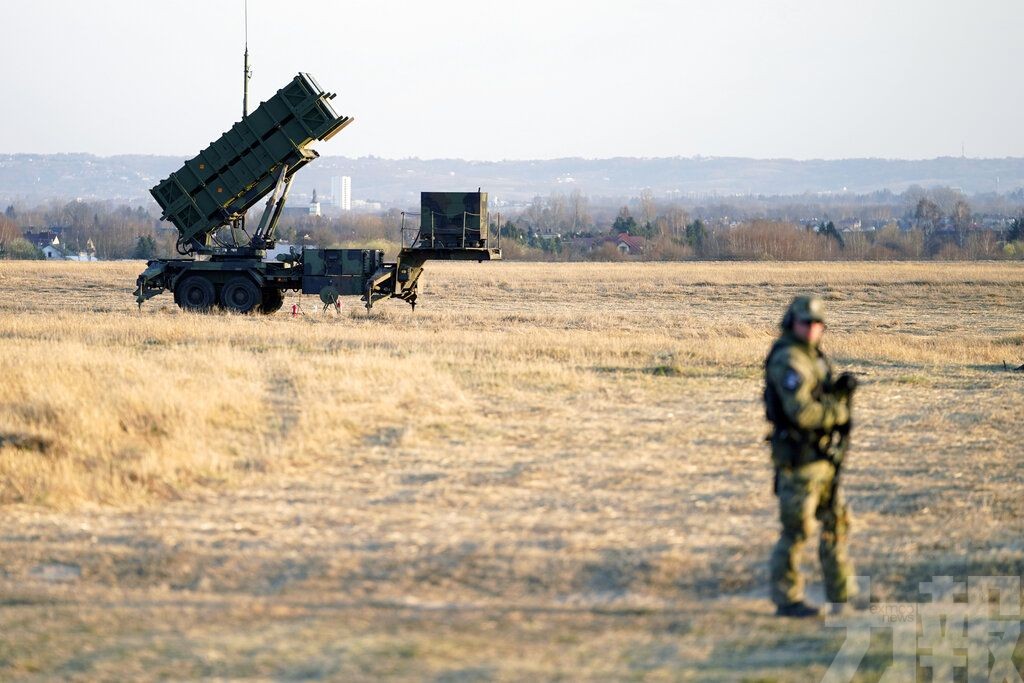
(239, 224)
(246, 71)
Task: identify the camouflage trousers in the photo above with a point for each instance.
(805, 494)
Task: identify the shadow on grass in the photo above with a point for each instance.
(1006, 367)
(903, 579)
(678, 370)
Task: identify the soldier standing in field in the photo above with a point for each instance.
(810, 415)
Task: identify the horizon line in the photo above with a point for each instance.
(696, 157)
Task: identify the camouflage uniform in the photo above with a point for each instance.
(799, 402)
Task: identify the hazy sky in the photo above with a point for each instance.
(526, 79)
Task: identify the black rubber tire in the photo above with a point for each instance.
(273, 299)
(241, 295)
(195, 293)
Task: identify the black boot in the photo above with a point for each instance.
(798, 610)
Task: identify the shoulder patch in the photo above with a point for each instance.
(792, 380)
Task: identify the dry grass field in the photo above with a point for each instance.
(548, 471)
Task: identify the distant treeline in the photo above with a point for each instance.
(100, 229)
(762, 239)
(107, 231)
(938, 223)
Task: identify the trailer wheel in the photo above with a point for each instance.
(195, 293)
(240, 294)
(273, 299)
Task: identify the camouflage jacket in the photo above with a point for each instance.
(799, 402)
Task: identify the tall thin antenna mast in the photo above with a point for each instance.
(246, 71)
(239, 224)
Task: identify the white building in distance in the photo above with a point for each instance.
(52, 251)
(341, 192)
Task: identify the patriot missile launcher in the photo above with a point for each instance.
(207, 199)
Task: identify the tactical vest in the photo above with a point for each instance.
(804, 446)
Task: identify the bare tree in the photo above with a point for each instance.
(913, 195)
(534, 213)
(648, 211)
(927, 214)
(8, 232)
(579, 205)
(676, 220)
(558, 218)
(961, 215)
(946, 198)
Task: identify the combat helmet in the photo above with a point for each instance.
(805, 307)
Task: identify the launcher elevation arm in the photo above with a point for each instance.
(264, 235)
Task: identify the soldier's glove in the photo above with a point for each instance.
(838, 409)
(843, 389)
(845, 385)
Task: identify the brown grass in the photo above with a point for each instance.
(547, 470)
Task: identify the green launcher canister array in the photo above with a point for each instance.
(240, 167)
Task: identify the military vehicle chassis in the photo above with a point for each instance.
(242, 286)
(249, 285)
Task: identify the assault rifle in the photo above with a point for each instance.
(839, 442)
